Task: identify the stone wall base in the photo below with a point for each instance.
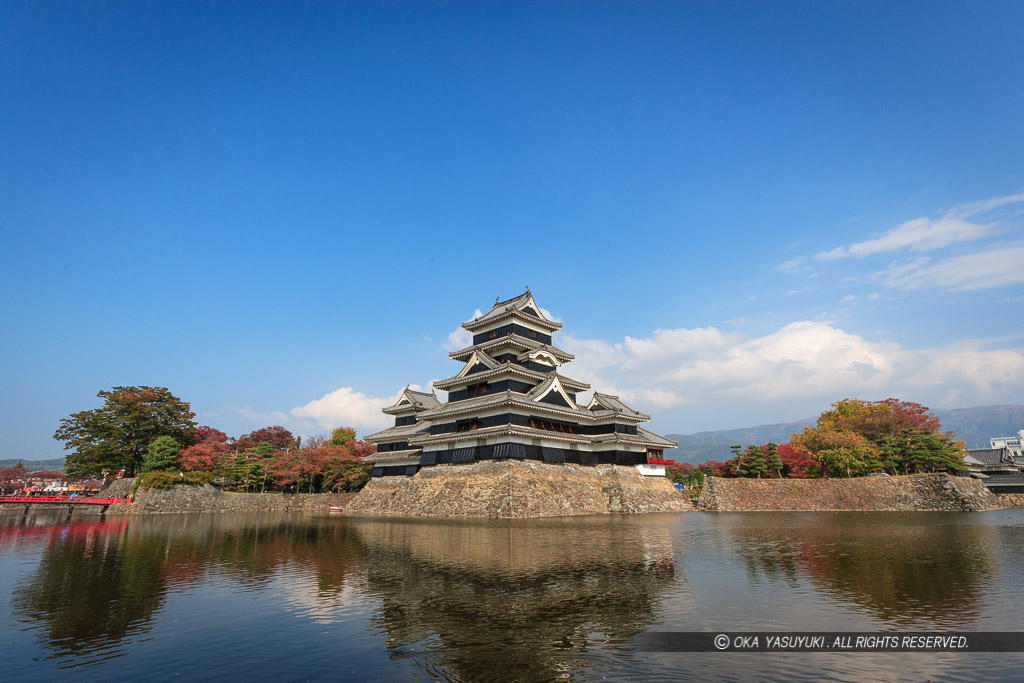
(927, 492)
(513, 488)
(1012, 500)
(209, 499)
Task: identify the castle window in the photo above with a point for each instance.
(553, 426)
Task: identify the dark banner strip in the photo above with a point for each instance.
(804, 641)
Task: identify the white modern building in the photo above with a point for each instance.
(1011, 443)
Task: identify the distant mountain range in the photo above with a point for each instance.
(36, 465)
(973, 425)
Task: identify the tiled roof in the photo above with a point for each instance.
(510, 368)
(422, 398)
(472, 405)
(506, 429)
(469, 403)
(501, 306)
(412, 400)
(1005, 480)
(642, 437)
(612, 403)
(512, 340)
(532, 353)
(393, 456)
(552, 383)
(989, 456)
(400, 432)
(656, 438)
(523, 305)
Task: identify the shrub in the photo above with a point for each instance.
(167, 480)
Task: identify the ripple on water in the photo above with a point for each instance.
(207, 595)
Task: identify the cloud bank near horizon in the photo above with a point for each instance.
(693, 372)
(683, 374)
(801, 361)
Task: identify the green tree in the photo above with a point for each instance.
(840, 453)
(240, 466)
(916, 450)
(117, 434)
(160, 455)
(264, 455)
(250, 468)
(772, 460)
(855, 436)
(752, 463)
(341, 436)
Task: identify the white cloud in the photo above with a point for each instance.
(346, 407)
(460, 338)
(996, 266)
(926, 234)
(985, 205)
(791, 267)
(549, 315)
(920, 234)
(703, 367)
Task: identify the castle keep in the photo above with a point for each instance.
(513, 415)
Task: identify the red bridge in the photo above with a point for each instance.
(28, 501)
(64, 500)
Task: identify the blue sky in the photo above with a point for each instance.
(282, 211)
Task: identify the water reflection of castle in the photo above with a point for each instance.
(471, 600)
(464, 599)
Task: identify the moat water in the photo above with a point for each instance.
(295, 596)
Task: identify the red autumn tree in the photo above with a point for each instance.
(299, 468)
(794, 461)
(344, 469)
(679, 470)
(718, 468)
(211, 444)
(878, 420)
(12, 478)
(909, 415)
(324, 467)
(280, 438)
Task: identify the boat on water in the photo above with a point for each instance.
(335, 508)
